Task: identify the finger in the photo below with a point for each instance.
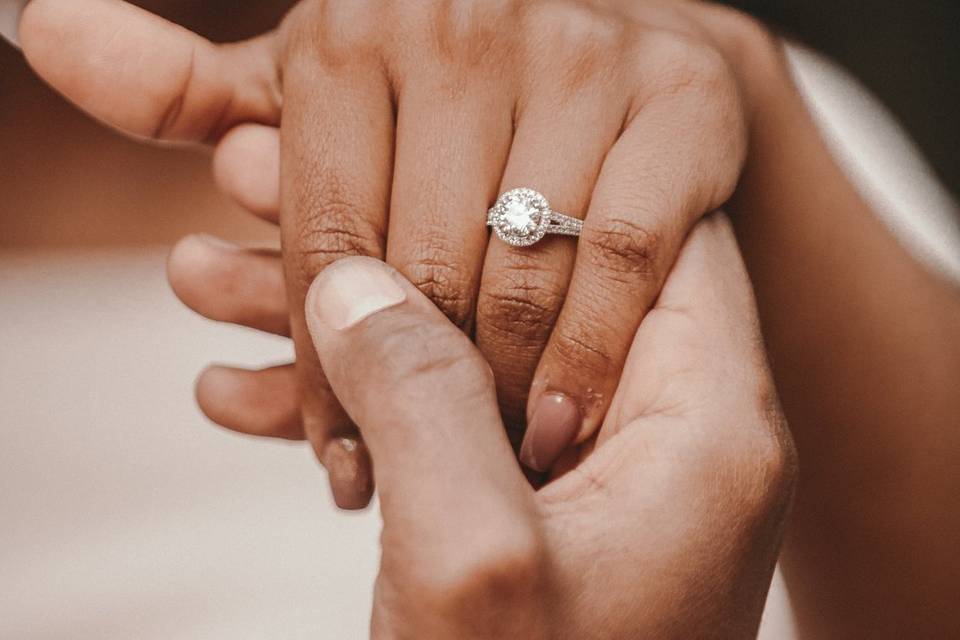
(703, 333)
(423, 398)
(146, 76)
(449, 159)
(336, 142)
(228, 283)
(558, 148)
(656, 182)
(246, 166)
(266, 403)
(697, 394)
(260, 403)
(694, 439)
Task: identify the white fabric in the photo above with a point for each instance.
(124, 515)
(882, 161)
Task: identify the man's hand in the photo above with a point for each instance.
(669, 528)
(402, 121)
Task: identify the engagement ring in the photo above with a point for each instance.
(521, 217)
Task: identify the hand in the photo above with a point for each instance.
(670, 528)
(633, 121)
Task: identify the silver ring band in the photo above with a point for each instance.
(522, 217)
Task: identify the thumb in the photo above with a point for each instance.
(422, 397)
(146, 76)
(698, 408)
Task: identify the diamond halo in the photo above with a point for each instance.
(520, 217)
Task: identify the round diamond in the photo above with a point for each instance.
(520, 217)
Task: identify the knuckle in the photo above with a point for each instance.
(520, 304)
(172, 122)
(751, 37)
(337, 231)
(777, 456)
(689, 65)
(623, 249)
(447, 286)
(336, 227)
(766, 460)
(468, 31)
(580, 39)
(335, 33)
(772, 469)
(710, 67)
(569, 23)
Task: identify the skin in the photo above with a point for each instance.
(401, 124)
(865, 390)
(863, 341)
(470, 550)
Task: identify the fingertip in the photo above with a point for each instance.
(213, 389)
(191, 256)
(213, 382)
(261, 403)
(246, 166)
(228, 283)
(555, 423)
(350, 470)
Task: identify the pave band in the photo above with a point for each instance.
(522, 217)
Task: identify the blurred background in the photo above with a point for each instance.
(99, 189)
(124, 515)
(66, 181)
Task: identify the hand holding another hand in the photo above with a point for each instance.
(669, 529)
(402, 122)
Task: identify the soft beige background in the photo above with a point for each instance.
(124, 515)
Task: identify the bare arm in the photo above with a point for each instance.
(865, 345)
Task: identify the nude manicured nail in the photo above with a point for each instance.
(351, 290)
(555, 423)
(351, 478)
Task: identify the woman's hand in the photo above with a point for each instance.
(669, 529)
(402, 121)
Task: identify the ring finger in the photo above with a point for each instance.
(558, 148)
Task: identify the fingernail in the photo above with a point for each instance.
(353, 289)
(555, 423)
(10, 20)
(348, 466)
